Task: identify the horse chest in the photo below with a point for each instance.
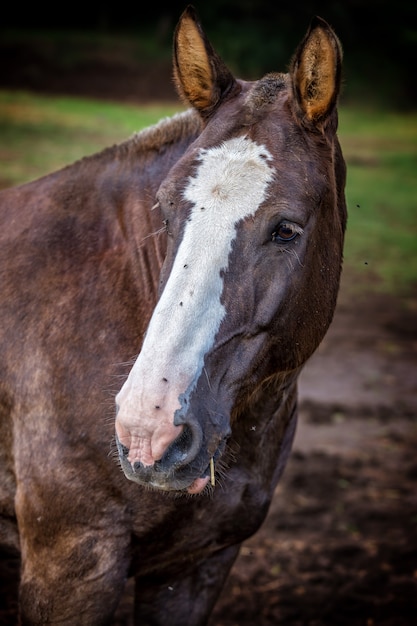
(190, 529)
(196, 529)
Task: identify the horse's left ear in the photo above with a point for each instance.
(316, 73)
(201, 77)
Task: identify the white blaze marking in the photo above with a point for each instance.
(230, 184)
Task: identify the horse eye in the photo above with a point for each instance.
(285, 232)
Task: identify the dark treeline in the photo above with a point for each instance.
(255, 36)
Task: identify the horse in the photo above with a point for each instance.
(178, 281)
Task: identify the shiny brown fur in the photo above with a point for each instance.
(80, 265)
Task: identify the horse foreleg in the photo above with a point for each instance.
(72, 573)
(74, 590)
(187, 599)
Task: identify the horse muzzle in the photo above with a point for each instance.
(188, 464)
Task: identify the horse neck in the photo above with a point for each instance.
(152, 153)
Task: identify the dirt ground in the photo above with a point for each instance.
(339, 546)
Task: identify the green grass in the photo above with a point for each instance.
(39, 134)
(381, 153)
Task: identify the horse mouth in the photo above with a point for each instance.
(209, 477)
(189, 479)
(198, 486)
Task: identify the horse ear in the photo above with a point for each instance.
(316, 72)
(201, 77)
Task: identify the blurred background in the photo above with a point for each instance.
(339, 547)
(46, 46)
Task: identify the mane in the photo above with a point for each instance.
(266, 90)
(167, 131)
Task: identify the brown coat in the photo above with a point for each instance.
(81, 253)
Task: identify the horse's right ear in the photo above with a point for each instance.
(316, 73)
(201, 77)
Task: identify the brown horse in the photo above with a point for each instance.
(219, 232)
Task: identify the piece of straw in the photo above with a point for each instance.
(212, 477)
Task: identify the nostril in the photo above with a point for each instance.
(184, 442)
(183, 449)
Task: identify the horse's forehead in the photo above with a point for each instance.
(261, 113)
(234, 168)
(231, 176)
(253, 134)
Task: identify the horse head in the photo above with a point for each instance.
(255, 215)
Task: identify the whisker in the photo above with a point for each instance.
(289, 260)
(154, 234)
(294, 253)
(208, 380)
